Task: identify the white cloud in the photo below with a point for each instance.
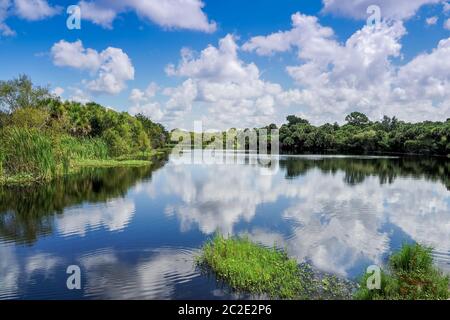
(103, 16)
(5, 30)
(230, 91)
(178, 14)
(142, 102)
(30, 10)
(446, 7)
(337, 78)
(58, 91)
(398, 9)
(447, 24)
(432, 20)
(34, 10)
(112, 67)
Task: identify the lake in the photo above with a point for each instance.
(134, 232)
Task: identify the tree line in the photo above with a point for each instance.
(361, 135)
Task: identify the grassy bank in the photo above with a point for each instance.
(30, 155)
(255, 269)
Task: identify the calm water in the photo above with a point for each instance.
(134, 232)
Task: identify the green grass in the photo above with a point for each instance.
(87, 148)
(110, 163)
(411, 275)
(255, 269)
(27, 152)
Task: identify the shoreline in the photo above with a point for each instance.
(76, 165)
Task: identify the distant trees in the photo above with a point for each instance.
(360, 135)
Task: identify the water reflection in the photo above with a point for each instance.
(135, 231)
(343, 213)
(26, 213)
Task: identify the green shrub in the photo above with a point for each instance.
(411, 276)
(27, 151)
(117, 146)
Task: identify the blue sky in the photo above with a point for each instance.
(246, 63)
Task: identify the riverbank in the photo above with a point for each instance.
(135, 160)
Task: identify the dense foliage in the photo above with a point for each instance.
(411, 276)
(40, 134)
(360, 135)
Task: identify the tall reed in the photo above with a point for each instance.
(27, 151)
(87, 148)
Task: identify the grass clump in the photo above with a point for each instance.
(252, 268)
(255, 269)
(411, 275)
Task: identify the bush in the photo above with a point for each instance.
(116, 145)
(27, 151)
(411, 276)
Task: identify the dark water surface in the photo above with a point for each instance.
(134, 231)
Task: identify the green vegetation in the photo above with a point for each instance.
(255, 269)
(411, 276)
(42, 137)
(252, 268)
(360, 135)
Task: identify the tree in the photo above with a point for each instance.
(293, 120)
(357, 119)
(20, 93)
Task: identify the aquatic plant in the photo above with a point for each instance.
(252, 268)
(411, 275)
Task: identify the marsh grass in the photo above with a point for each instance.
(110, 163)
(84, 148)
(255, 269)
(411, 275)
(27, 152)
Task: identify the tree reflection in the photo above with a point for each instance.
(27, 213)
(386, 169)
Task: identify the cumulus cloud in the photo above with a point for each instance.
(30, 10)
(34, 10)
(337, 78)
(178, 14)
(230, 91)
(142, 102)
(399, 9)
(112, 67)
